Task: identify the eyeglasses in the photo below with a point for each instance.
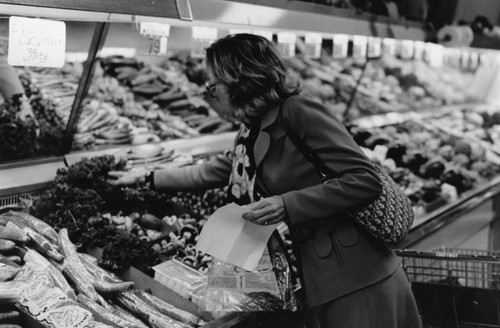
(211, 88)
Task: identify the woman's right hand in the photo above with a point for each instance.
(123, 178)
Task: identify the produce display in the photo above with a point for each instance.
(480, 123)
(132, 225)
(132, 102)
(433, 168)
(387, 84)
(71, 290)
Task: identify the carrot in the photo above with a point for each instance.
(12, 232)
(43, 245)
(103, 315)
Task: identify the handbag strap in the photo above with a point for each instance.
(307, 151)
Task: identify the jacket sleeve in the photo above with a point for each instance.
(212, 174)
(356, 183)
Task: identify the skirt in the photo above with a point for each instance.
(388, 304)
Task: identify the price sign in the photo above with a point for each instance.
(154, 29)
(434, 54)
(389, 47)
(455, 55)
(203, 37)
(418, 50)
(340, 45)
(266, 34)
(406, 49)
(313, 45)
(374, 47)
(359, 45)
(465, 60)
(474, 60)
(286, 44)
(36, 42)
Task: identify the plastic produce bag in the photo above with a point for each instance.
(182, 279)
(269, 288)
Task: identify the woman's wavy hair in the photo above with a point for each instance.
(254, 72)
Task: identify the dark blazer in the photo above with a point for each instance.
(336, 258)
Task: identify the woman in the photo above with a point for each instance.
(349, 280)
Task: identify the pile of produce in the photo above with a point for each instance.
(132, 225)
(387, 84)
(480, 123)
(128, 102)
(55, 286)
(131, 102)
(432, 167)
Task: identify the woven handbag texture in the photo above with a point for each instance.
(389, 217)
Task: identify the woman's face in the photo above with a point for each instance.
(220, 97)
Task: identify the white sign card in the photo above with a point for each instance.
(474, 60)
(434, 54)
(465, 60)
(340, 45)
(203, 37)
(374, 47)
(406, 49)
(154, 29)
(286, 43)
(389, 47)
(231, 239)
(36, 42)
(418, 49)
(359, 45)
(313, 45)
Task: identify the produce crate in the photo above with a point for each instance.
(455, 287)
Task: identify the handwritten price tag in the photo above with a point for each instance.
(36, 42)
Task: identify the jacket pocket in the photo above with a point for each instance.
(347, 236)
(323, 244)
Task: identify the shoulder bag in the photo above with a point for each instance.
(388, 218)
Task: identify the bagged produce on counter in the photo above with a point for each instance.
(103, 315)
(148, 314)
(170, 310)
(269, 288)
(182, 279)
(60, 281)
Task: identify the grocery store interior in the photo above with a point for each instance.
(120, 85)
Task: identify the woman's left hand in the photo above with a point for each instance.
(266, 211)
